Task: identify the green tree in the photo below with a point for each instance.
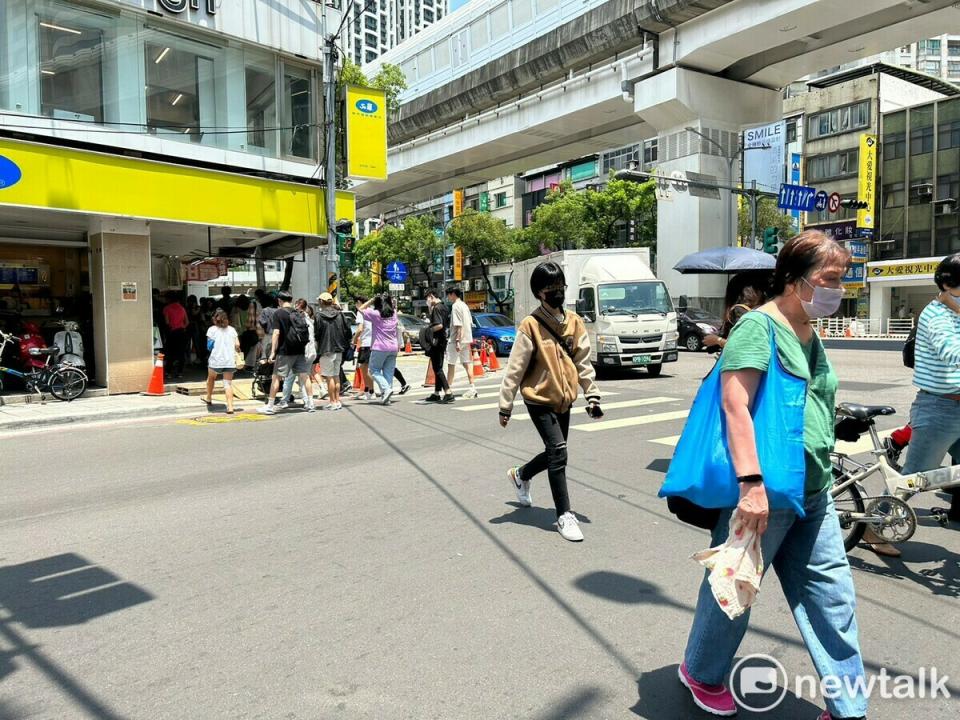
(378, 247)
(561, 222)
(768, 215)
(418, 244)
(485, 239)
(569, 219)
(391, 80)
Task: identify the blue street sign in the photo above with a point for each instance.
(396, 272)
(821, 200)
(858, 250)
(796, 197)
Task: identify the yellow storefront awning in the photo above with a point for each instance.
(102, 184)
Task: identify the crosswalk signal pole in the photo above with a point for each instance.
(330, 150)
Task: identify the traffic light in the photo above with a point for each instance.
(345, 250)
(771, 240)
(855, 204)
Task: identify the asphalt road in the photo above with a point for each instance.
(374, 564)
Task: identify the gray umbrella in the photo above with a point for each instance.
(725, 260)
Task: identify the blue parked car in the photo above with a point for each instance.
(497, 328)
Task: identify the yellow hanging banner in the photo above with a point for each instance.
(366, 121)
(458, 203)
(375, 270)
(867, 181)
(458, 263)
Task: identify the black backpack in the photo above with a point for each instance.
(299, 331)
(910, 348)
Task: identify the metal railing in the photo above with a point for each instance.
(863, 327)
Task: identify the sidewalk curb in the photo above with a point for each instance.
(76, 420)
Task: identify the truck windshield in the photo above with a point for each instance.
(634, 298)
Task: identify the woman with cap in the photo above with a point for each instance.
(333, 334)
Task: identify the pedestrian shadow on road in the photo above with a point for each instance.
(538, 517)
(662, 697)
(622, 588)
(943, 579)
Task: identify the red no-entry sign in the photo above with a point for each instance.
(834, 202)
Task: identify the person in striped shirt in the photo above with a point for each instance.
(935, 415)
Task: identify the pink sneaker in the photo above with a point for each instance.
(715, 699)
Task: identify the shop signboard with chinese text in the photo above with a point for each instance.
(476, 299)
(867, 180)
(904, 269)
(458, 264)
(366, 133)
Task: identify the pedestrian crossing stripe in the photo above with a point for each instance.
(597, 426)
(615, 405)
(456, 390)
(494, 406)
(864, 444)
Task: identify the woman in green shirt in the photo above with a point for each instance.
(807, 553)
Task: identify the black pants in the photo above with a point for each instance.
(553, 429)
(399, 376)
(174, 350)
(440, 384)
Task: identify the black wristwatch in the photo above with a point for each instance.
(750, 478)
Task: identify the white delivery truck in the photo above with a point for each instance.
(627, 311)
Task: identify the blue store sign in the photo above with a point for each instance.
(9, 173)
(396, 272)
(796, 197)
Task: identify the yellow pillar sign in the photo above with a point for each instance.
(867, 182)
(458, 263)
(366, 121)
(457, 203)
(375, 272)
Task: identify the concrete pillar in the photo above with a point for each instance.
(671, 102)
(881, 301)
(122, 323)
(309, 278)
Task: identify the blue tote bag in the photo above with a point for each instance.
(701, 471)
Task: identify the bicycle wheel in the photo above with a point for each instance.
(67, 383)
(849, 501)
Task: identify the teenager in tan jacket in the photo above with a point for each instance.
(549, 364)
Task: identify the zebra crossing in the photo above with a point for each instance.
(619, 415)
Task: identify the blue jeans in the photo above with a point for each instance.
(808, 557)
(382, 365)
(936, 431)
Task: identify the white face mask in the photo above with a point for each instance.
(824, 303)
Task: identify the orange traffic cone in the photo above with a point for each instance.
(494, 363)
(408, 348)
(155, 387)
(431, 379)
(484, 360)
(478, 370)
(358, 384)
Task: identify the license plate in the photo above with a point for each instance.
(641, 359)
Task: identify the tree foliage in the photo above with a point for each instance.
(485, 239)
(418, 244)
(571, 219)
(768, 215)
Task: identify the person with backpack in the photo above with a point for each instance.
(310, 353)
(333, 337)
(433, 339)
(549, 362)
(290, 337)
(935, 415)
(387, 338)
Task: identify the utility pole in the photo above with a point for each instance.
(330, 151)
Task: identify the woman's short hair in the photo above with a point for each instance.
(802, 254)
(947, 274)
(546, 275)
(220, 318)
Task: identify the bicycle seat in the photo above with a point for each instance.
(45, 351)
(864, 412)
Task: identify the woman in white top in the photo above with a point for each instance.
(223, 344)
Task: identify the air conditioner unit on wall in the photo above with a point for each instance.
(924, 190)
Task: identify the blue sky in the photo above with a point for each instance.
(457, 4)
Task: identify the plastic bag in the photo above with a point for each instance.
(701, 470)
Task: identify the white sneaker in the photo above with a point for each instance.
(283, 404)
(470, 394)
(569, 527)
(521, 486)
(329, 406)
(386, 397)
(338, 406)
(267, 410)
(310, 407)
(368, 397)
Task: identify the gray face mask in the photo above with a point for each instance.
(824, 303)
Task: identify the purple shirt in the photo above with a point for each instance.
(384, 331)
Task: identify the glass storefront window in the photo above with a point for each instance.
(298, 117)
(71, 46)
(181, 88)
(261, 106)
